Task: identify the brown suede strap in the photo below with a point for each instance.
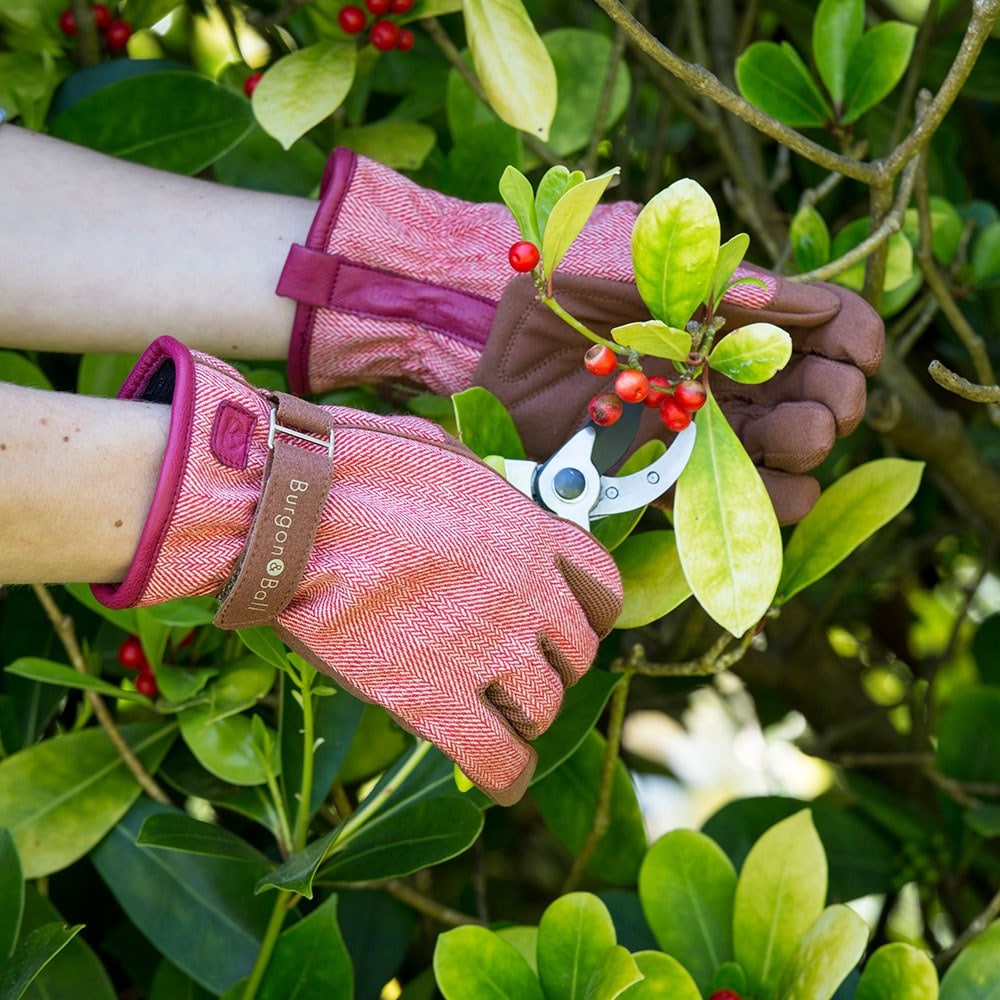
(296, 482)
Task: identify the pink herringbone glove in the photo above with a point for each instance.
(402, 566)
(398, 282)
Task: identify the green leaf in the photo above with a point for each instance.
(60, 797)
(103, 374)
(611, 531)
(580, 58)
(573, 935)
(810, 238)
(169, 983)
(973, 975)
(654, 337)
(825, 955)
(177, 121)
(652, 577)
(184, 612)
(877, 64)
(946, 229)
(47, 672)
(198, 911)
(171, 831)
(512, 64)
(752, 354)
(11, 895)
(303, 88)
(899, 265)
(125, 619)
(663, 976)
(224, 746)
(33, 954)
(771, 77)
(614, 974)
(568, 217)
(518, 196)
(18, 370)
(262, 642)
(731, 255)
(238, 685)
(473, 963)
(259, 163)
(686, 885)
(397, 144)
(837, 29)
(567, 799)
(555, 182)
(983, 819)
(310, 960)
(728, 537)
(985, 255)
(898, 972)
(675, 246)
(847, 512)
(779, 894)
(484, 425)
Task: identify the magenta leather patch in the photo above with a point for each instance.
(232, 430)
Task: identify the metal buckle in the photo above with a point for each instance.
(274, 427)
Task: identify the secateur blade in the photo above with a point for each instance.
(611, 443)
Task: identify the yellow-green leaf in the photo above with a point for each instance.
(728, 537)
(569, 215)
(752, 354)
(303, 88)
(655, 338)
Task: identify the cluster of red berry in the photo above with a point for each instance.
(131, 657)
(676, 401)
(384, 34)
(115, 31)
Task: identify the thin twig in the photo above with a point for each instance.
(973, 391)
(717, 658)
(66, 630)
(88, 39)
(414, 898)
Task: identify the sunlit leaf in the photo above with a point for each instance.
(752, 354)
(731, 255)
(652, 577)
(654, 337)
(825, 955)
(663, 976)
(568, 217)
(555, 182)
(898, 971)
(518, 196)
(471, 963)
(973, 975)
(573, 935)
(614, 974)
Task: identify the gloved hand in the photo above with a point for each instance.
(401, 565)
(399, 282)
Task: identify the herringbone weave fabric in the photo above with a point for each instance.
(433, 588)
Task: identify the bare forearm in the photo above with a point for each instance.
(77, 476)
(102, 255)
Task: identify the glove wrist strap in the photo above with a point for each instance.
(296, 482)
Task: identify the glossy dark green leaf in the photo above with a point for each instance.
(484, 425)
(984, 819)
(125, 619)
(259, 163)
(262, 641)
(224, 746)
(611, 531)
(876, 65)
(837, 28)
(18, 370)
(169, 983)
(772, 77)
(378, 931)
(574, 933)
(652, 578)
(60, 797)
(581, 58)
(179, 832)
(310, 960)
(973, 975)
(48, 672)
(32, 955)
(75, 971)
(200, 912)
(176, 121)
(11, 894)
(898, 971)
(567, 798)
(471, 963)
(687, 885)
(238, 685)
(184, 612)
(478, 157)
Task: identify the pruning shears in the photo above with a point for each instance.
(572, 484)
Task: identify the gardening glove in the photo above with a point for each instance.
(399, 564)
(399, 282)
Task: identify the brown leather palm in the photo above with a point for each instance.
(533, 362)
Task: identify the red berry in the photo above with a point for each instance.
(384, 35)
(351, 20)
(117, 35)
(523, 256)
(378, 7)
(406, 40)
(673, 415)
(102, 17)
(691, 395)
(600, 360)
(130, 654)
(659, 389)
(250, 83)
(632, 385)
(605, 409)
(67, 23)
(725, 995)
(400, 6)
(145, 684)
